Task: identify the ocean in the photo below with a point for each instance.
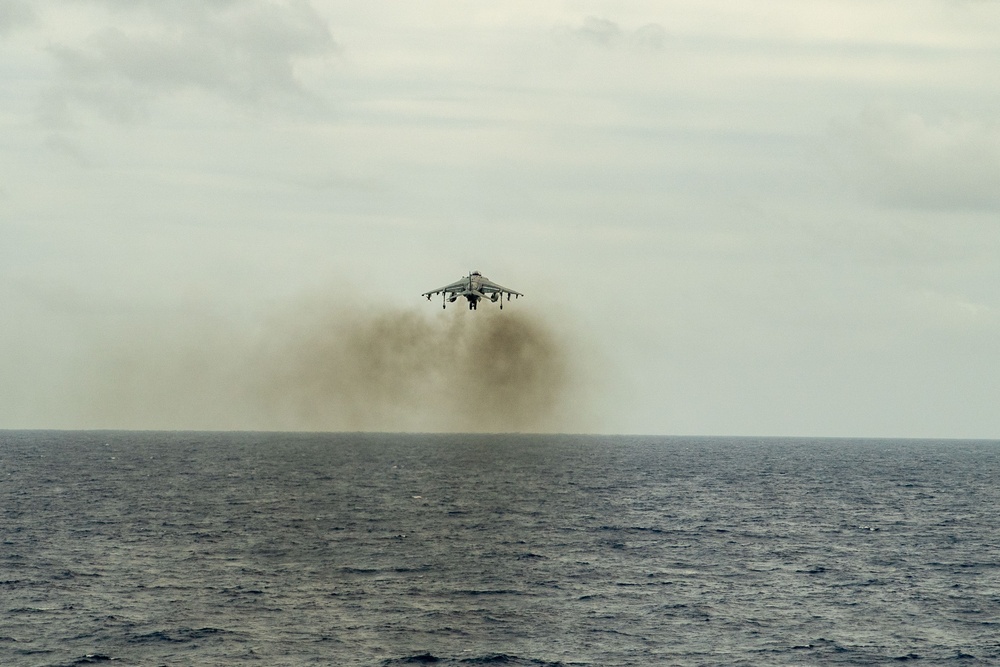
(176, 548)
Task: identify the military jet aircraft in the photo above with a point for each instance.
(473, 288)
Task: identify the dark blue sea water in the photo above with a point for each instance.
(374, 549)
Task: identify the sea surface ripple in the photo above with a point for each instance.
(149, 548)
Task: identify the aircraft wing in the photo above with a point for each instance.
(457, 286)
(488, 286)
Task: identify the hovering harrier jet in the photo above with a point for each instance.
(473, 288)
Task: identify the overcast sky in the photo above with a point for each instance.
(766, 218)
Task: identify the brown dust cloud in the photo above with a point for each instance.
(321, 367)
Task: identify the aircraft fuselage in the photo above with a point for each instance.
(474, 288)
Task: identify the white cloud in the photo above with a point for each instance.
(605, 33)
(244, 52)
(15, 14)
(951, 312)
(906, 159)
(63, 146)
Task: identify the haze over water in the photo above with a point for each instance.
(153, 548)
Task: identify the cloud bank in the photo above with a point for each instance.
(243, 52)
(907, 159)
